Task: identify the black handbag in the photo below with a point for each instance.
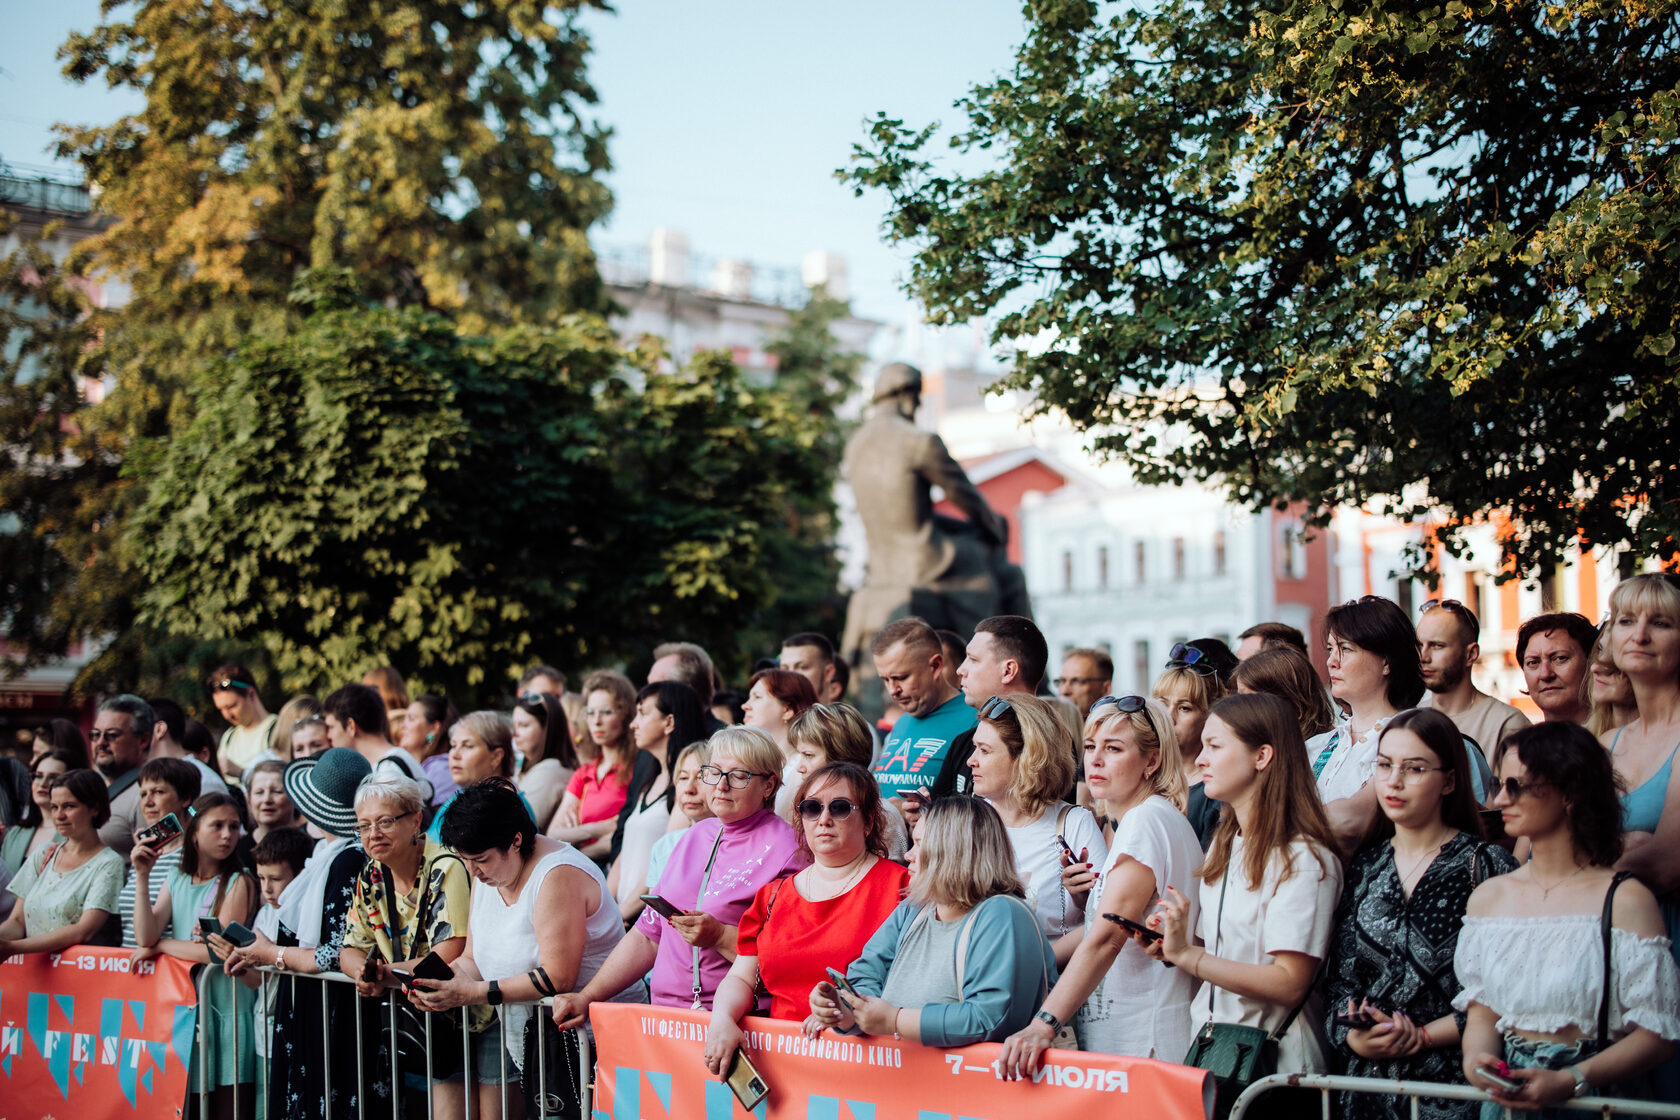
(448, 1053)
(551, 1081)
(1236, 1056)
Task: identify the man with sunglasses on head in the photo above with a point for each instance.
(234, 691)
(1448, 633)
(1006, 657)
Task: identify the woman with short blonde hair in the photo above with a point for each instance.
(1023, 764)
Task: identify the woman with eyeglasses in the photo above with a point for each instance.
(963, 958)
(800, 926)
(1546, 1006)
(1023, 762)
(412, 898)
(708, 884)
(1119, 1000)
(1390, 981)
(588, 814)
(1376, 672)
(425, 736)
(544, 744)
(668, 718)
(1268, 890)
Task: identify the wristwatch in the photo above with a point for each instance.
(1581, 1085)
(494, 996)
(1046, 1017)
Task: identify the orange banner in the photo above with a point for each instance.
(648, 1067)
(86, 1032)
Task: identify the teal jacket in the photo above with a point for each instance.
(1008, 969)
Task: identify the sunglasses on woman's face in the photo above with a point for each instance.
(1515, 789)
(838, 809)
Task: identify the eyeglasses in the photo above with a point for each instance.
(591, 713)
(838, 809)
(738, 779)
(228, 682)
(109, 735)
(1515, 789)
(1127, 704)
(1064, 682)
(382, 825)
(1409, 771)
(1183, 656)
(994, 708)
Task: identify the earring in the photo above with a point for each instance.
(418, 838)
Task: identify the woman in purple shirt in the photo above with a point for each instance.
(710, 878)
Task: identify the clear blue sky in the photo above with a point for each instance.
(729, 119)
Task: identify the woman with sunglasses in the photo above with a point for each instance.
(1023, 763)
(1390, 980)
(708, 883)
(1376, 673)
(962, 959)
(802, 925)
(1120, 1001)
(1189, 687)
(1560, 1030)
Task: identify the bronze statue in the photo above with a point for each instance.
(951, 573)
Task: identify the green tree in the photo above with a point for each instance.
(1416, 256)
(371, 486)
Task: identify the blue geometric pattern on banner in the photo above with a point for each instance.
(181, 1038)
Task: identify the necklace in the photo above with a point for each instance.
(1420, 863)
(860, 863)
(1546, 891)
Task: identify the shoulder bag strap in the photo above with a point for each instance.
(705, 880)
(1604, 935)
(1224, 883)
(1061, 820)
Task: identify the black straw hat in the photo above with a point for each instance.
(324, 788)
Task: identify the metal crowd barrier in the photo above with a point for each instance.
(1327, 1084)
(576, 1039)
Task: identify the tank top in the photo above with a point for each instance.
(1642, 806)
(505, 934)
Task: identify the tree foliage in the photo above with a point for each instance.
(1421, 256)
(372, 487)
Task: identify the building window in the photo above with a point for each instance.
(1404, 596)
(1178, 559)
(1219, 553)
(1292, 552)
(1140, 552)
(1067, 570)
(1102, 566)
(1473, 594)
(1140, 664)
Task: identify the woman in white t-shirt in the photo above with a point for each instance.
(1269, 888)
(1122, 1002)
(1024, 764)
(1372, 659)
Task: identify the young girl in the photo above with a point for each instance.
(1392, 951)
(1268, 892)
(207, 883)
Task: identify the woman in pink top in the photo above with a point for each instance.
(588, 813)
(711, 879)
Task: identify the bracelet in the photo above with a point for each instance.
(279, 957)
(897, 1011)
(1428, 1043)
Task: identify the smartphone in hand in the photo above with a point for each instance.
(238, 934)
(845, 985)
(433, 967)
(161, 833)
(745, 1082)
(1504, 1083)
(1136, 927)
(370, 967)
(660, 906)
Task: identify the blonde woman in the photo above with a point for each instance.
(1023, 764)
(1120, 1000)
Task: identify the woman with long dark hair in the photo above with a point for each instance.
(547, 757)
(1390, 979)
(1546, 1006)
(668, 718)
(588, 814)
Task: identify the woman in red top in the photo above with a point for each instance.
(799, 926)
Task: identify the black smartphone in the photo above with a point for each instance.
(403, 975)
(238, 934)
(208, 925)
(1492, 1078)
(744, 1080)
(160, 833)
(1135, 927)
(920, 797)
(1359, 1020)
(433, 967)
(845, 985)
(1072, 858)
(661, 907)
(370, 967)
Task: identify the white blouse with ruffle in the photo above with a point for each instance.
(1546, 974)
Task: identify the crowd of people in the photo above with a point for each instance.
(1388, 873)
